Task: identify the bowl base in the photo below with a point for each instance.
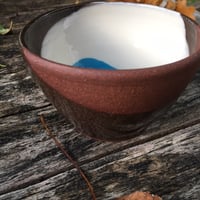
(98, 125)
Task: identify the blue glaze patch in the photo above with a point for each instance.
(92, 63)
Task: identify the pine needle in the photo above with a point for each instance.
(66, 154)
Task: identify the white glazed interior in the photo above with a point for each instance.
(123, 35)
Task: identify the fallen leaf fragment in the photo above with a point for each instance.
(140, 196)
(2, 65)
(4, 31)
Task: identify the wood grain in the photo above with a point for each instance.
(165, 159)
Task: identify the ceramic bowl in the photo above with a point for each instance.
(107, 104)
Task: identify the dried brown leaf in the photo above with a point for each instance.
(181, 6)
(140, 196)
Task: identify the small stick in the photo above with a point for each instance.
(62, 149)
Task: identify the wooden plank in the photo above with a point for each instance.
(22, 135)
(13, 6)
(164, 159)
(155, 166)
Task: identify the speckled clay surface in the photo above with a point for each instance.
(111, 100)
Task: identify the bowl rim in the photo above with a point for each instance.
(166, 68)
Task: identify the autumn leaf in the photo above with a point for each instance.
(138, 195)
(183, 8)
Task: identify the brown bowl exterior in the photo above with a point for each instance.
(107, 104)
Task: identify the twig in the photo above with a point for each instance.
(62, 148)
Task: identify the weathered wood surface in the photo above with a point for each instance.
(165, 159)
